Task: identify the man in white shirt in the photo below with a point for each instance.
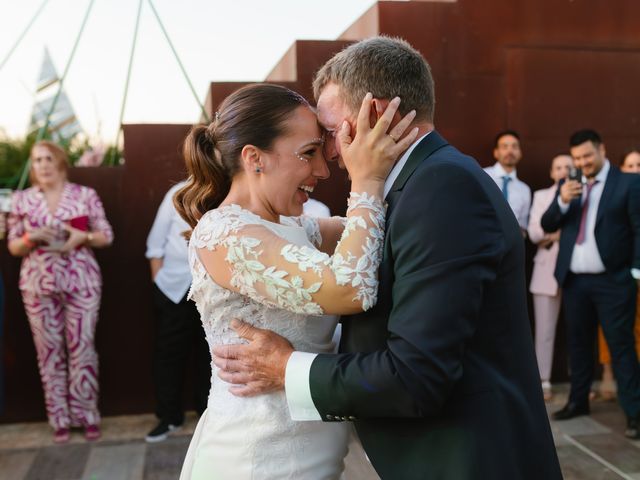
(598, 266)
(508, 154)
(178, 329)
(315, 208)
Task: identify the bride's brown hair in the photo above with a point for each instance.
(253, 115)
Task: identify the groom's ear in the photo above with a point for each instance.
(379, 106)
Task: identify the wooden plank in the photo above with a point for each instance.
(577, 465)
(579, 426)
(163, 461)
(121, 461)
(60, 462)
(615, 449)
(14, 465)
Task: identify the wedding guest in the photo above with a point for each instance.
(631, 161)
(315, 208)
(598, 269)
(53, 226)
(178, 329)
(544, 287)
(508, 154)
(630, 164)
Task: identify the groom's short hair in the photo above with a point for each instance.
(387, 67)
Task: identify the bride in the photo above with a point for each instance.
(254, 257)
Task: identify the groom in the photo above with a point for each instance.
(439, 377)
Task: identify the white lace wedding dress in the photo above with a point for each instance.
(254, 438)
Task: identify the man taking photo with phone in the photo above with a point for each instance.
(598, 267)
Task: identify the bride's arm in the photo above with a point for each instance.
(252, 260)
(256, 262)
(331, 230)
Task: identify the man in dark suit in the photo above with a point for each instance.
(598, 260)
(439, 377)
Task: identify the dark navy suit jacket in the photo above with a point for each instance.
(617, 229)
(440, 375)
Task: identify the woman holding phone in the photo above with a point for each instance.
(543, 286)
(53, 226)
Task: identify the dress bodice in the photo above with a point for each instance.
(218, 306)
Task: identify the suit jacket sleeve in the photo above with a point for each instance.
(441, 268)
(553, 218)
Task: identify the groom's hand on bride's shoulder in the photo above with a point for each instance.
(256, 367)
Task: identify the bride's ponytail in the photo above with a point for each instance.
(208, 181)
(253, 115)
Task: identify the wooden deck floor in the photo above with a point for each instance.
(589, 448)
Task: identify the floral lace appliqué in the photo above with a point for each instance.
(354, 264)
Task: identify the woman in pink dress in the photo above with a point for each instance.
(53, 226)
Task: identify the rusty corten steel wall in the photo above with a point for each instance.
(543, 67)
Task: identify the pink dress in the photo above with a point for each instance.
(61, 295)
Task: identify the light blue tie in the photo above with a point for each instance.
(505, 183)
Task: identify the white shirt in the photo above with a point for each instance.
(518, 193)
(586, 257)
(296, 381)
(165, 241)
(316, 209)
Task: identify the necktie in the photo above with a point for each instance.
(505, 183)
(583, 218)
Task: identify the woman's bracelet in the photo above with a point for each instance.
(27, 241)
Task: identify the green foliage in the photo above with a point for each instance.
(14, 154)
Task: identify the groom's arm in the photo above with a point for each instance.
(447, 244)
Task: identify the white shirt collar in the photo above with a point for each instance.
(397, 168)
(501, 172)
(602, 174)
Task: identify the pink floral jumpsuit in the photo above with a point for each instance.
(61, 295)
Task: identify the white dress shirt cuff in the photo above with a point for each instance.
(297, 388)
(635, 272)
(564, 207)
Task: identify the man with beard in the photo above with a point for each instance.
(598, 270)
(507, 153)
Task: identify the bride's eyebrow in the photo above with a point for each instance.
(314, 142)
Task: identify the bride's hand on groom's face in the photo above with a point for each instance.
(254, 368)
(370, 152)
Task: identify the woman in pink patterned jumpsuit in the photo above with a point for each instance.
(54, 225)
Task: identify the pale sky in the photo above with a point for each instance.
(217, 40)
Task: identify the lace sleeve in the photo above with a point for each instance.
(244, 255)
(311, 227)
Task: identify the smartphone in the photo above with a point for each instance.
(5, 200)
(575, 174)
